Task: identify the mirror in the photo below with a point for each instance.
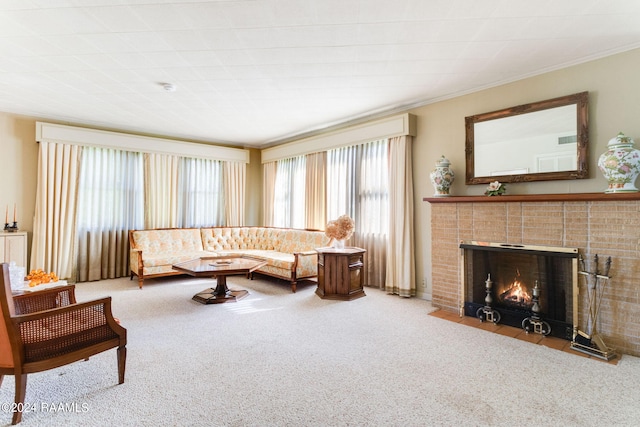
(541, 141)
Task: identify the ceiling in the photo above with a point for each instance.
(253, 73)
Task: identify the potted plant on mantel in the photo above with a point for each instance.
(495, 189)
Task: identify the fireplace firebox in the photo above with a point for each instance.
(533, 287)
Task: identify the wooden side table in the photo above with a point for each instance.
(340, 273)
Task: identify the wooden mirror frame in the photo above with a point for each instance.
(582, 171)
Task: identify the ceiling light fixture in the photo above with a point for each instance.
(169, 87)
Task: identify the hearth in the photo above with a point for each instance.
(526, 286)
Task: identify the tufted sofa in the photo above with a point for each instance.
(290, 253)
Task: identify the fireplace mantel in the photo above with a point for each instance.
(565, 197)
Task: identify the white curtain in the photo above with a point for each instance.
(110, 203)
(200, 189)
(161, 190)
(373, 214)
(294, 192)
(400, 278)
(55, 211)
(357, 185)
(235, 176)
(289, 200)
(342, 182)
(269, 171)
(88, 198)
(315, 183)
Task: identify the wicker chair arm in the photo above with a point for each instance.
(45, 299)
(70, 320)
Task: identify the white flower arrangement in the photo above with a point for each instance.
(495, 189)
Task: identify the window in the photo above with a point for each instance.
(289, 201)
(201, 193)
(110, 190)
(373, 191)
(110, 203)
(357, 185)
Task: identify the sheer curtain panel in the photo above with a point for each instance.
(357, 185)
(55, 211)
(342, 182)
(200, 193)
(289, 195)
(110, 203)
(373, 210)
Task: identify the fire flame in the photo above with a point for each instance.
(516, 293)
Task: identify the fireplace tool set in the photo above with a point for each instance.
(591, 342)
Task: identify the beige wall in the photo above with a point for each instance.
(253, 200)
(18, 166)
(614, 106)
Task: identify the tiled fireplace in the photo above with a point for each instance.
(604, 224)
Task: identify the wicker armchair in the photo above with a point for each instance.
(48, 329)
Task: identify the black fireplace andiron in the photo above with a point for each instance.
(534, 323)
(487, 312)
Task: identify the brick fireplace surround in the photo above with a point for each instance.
(595, 223)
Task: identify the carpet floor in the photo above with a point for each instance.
(277, 358)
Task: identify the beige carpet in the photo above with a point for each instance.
(283, 359)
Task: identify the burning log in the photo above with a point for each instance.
(517, 295)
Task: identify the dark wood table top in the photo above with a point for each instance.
(220, 265)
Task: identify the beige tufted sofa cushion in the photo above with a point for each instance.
(237, 238)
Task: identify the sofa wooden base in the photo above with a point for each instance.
(153, 276)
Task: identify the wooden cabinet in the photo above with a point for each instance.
(340, 273)
(13, 247)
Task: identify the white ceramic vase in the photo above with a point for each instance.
(442, 177)
(620, 165)
(337, 244)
